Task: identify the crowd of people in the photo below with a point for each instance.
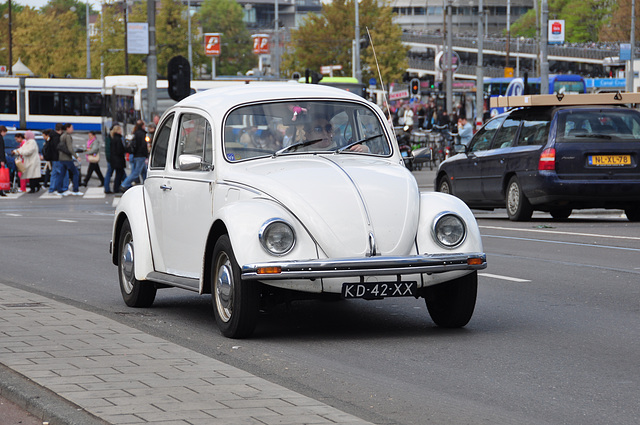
(62, 174)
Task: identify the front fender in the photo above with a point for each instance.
(245, 218)
(132, 208)
(433, 204)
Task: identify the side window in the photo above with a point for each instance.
(506, 136)
(194, 138)
(161, 144)
(482, 139)
(534, 133)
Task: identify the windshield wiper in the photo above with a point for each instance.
(594, 135)
(366, 139)
(296, 146)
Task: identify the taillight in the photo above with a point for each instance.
(547, 160)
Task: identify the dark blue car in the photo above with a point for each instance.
(553, 159)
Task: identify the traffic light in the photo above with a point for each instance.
(179, 77)
(414, 87)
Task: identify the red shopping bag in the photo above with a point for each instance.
(5, 181)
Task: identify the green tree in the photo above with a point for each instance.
(47, 42)
(617, 26)
(225, 17)
(110, 47)
(583, 19)
(326, 40)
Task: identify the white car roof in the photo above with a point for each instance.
(224, 98)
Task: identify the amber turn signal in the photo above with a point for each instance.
(474, 261)
(269, 270)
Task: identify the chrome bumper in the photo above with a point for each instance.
(369, 266)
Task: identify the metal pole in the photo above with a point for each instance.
(152, 62)
(544, 63)
(213, 67)
(518, 57)
(276, 46)
(88, 42)
(448, 54)
(10, 41)
(126, 50)
(479, 69)
(630, 71)
(507, 58)
(357, 46)
(189, 49)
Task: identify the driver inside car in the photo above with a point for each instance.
(320, 129)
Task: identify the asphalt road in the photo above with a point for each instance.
(554, 339)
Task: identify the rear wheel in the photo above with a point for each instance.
(134, 292)
(451, 304)
(633, 214)
(561, 213)
(235, 303)
(444, 185)
(518, 206)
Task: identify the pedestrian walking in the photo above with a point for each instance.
(30, 156)
(93, 158)
(118, 161)
(3, 157)
(66, 155)
(140, 155)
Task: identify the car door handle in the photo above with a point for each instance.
(165, 187)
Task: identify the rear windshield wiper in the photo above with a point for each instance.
(366, 139)
(594, 136)
(296, 146)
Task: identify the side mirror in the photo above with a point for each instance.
(460, 148)
(189, 162)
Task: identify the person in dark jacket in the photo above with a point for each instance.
(57, 171)
(140, 155)
(3, 157)
(117, 160)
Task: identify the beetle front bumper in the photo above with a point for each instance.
(369, 266)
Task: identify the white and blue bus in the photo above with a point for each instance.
(558, 83)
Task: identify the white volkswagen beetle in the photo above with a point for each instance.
(269, 190)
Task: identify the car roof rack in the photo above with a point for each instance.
(565, 100)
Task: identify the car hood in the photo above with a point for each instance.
(350, 206)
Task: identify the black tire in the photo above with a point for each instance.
(134, 292)
(451, 304)
(444, 185)
(518, 206)
(561, 213)
(235, 303)
(633, 214)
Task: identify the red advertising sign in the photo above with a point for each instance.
(212, 44)
(260, 43)
(556, 27)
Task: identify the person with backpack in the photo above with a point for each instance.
(58, 178)
(66, 156)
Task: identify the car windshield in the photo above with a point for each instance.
(602, 125)
(289, 128)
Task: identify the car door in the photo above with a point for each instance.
(467, 176)
(186, 201)
(493, 162)
(154, 193)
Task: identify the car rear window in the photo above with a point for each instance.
(602, 125)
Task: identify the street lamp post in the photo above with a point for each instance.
(10, 41)
(88, 41)
(356, 64)
(630, 72)
(448, 55)
(479, 69)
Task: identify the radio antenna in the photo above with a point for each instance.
(384, 96)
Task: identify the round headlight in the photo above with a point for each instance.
(449, 230)
(277, 237)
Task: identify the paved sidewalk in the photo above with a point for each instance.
(111, 373)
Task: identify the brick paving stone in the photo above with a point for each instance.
(124, 376)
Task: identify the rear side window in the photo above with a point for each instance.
(161, 143)
(534, 133)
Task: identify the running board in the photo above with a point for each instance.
(178, 281)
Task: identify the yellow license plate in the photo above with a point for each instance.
(610, 160)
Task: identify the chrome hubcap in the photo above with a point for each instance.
(224, 287)
(126, 261)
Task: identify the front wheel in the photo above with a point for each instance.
(235, 303)
(518, 206)
(134, 292)
(451, 304)
(444, 186)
